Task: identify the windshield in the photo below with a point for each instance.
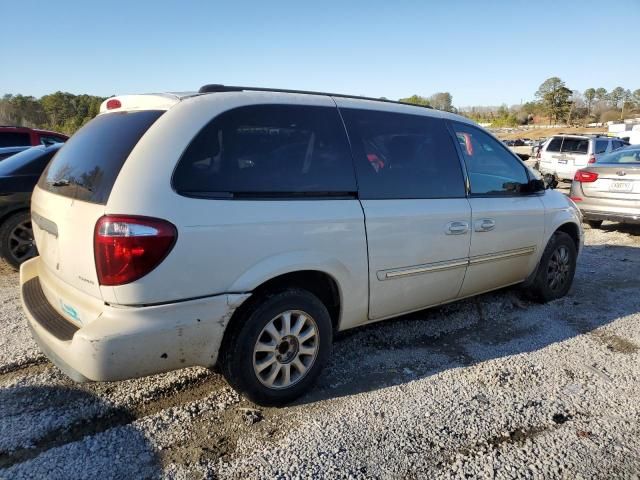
(621, 156)
(28, 162)
(87, 166)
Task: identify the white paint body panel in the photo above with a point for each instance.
(519, 224)
(406, 233)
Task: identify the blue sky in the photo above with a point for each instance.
(483, 52)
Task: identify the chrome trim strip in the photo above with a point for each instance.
(420, 269)
(451, 264)
(520, 252)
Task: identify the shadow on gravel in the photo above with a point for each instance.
(627, 228)
(64, 432)
(486, 327)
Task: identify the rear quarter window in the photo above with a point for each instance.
(268, 151)
(14, 139)
(555, 144)
(601, 146)
(89, 163)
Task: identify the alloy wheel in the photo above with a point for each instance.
(286, 349)
(21, 244)
(558, 269)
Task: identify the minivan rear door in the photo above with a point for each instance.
(72, 193)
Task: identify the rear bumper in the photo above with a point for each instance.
(611, 216)
(127, 342)
(560, 171)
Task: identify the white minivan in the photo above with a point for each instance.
(243, 227)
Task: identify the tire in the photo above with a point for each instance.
(251, 345)
(594, 223)
(16, 239)
(558, 262)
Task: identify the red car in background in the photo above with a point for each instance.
(23, 136)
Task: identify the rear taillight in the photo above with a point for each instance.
(127, 248)
(592, 158)
(585, 177)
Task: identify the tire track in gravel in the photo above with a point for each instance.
(171, 396)
(32, 366)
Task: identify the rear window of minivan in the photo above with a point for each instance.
(89, 163)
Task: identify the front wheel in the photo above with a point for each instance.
(276, 350)
(556, 269)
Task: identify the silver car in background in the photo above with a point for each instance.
(610, 188)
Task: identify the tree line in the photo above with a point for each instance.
(554, 103)
(60, 111)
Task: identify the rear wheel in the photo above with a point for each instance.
(556, 269)
(16, 239)
(594, 223)
(278, 347)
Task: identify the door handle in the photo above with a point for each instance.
(484, 225)
(457, 228)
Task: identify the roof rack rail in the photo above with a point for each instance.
(574, 134)
(216, 87)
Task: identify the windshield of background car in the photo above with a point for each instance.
(28, 162)
(621, 156)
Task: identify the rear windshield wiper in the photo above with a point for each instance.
(66, 182)
(60, 183)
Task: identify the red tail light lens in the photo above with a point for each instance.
(585, 177)
(592, 159)
(113, 103)
(127, 248)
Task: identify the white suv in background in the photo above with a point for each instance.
(244, 227)
(564, 155)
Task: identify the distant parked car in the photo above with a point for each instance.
(610, 188)
(23, 136)
(563, 155)
(18, 176)
(518, 142)
(6, 152)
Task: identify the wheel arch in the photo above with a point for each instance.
(318, 282)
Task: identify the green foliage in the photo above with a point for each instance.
(442, 101)
(439, 101)
(589, 96)
(416, 100)
(59, 111)
(555, 98)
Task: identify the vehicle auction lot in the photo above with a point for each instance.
(496, 386)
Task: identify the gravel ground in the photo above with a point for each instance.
(492, 387)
